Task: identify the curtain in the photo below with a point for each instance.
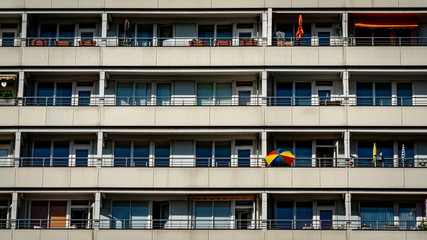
(407, 216)
(376, 215)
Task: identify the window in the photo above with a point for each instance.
(367, 92)
(223, 153)
(48, 214)
(303, 154)
(289, 93)
(162, 154)
(365, 153)
(133, 94)
(404, 94)
(213, 214)
(164, 93)
(407, 216)
(129, 214)
(61, 94)
(406, 154)
(203, 154)
(210, 93)
(131, 153)
(50, 153)
(292, 215)
(376, 214)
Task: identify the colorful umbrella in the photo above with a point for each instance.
(300, 32)
(280, 157)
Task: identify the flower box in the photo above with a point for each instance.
(197, 43)
(222, 43)
(63, 43)
(248, 43)
(87, 43)
(38, 42)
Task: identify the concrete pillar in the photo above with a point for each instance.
(345, 86)
(269, 26)
(21, 87)
(396, 154)
(155, 40)
(99, 145)
(348, 209)
(347, 145)
(264, 210)
(264, 83)
(104, 17)
(264, 28)
(345, 28)
(263, 147)
(97, 211)
(17, 152)
(101, 91)
(24, 29)
(14, 210)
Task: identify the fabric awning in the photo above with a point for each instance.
(386, 22)
(7, 76)
(223, 197)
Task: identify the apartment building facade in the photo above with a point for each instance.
(151, 119)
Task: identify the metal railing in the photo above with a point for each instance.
(209, 162)
(209, 42)
(217, 101)
(215, 224)
(349, 41)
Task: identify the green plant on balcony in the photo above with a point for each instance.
(7, 98)
(422, 226)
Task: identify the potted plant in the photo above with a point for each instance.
(197, 43)
(222, 43)
(63, 43)
(422, 226)
(248, 42)
(7, 98)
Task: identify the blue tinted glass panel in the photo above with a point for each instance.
(386, 148)
(376, 215)
(324, 95)
(303, 93)
(41, 154)
(141, 154)
(306, 41)
(326, 220)
(145, 35)
(66, 33)
(364, 94)
(84, 98)
(364, 153)
(304, 215)
(63, 94)
(61, 152)
(283, 94)
(324, 38)
(139, 215)
(222, 214)
(224, 32)
(8, 39)
(82, 157)
(203, 154)
(244, 98)
(120, 215)
(163, 94)
(203, 214)
(223, 92)
(207, 34)
(223, 153)
(124, 94)
(205, 93)
(404, 94)
(284, 215)
(122, 154)
(303, 154)
(244, 158)
(407, 216)
(383, 94)
(162, 154)
(45, 93)
(143, 94)
(48, 33)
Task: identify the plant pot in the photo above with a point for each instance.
(197, 43)
(87, 43)
(222, 43)
(63, 43)
(38, 43)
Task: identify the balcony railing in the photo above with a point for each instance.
(211, 42)
(349, 41)
(209, 162)
(217, 101)
(216, 224)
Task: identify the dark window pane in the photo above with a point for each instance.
(63, 94)
(39, 212)
(364, 94)
(376, 215)
(141, 154)
(283, 94)
(120, 215)
(41, 154)
(284, 215)
(383, 94)
(303, 154)
(223, 153)
(82, 157)
(404, 94)
(364, 153)
(45, 93)
(303, 93)
(60, 153)
(122, 153)
(304, 215)
(203, 154)
(162, 154)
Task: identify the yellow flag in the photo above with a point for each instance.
(374, 153)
